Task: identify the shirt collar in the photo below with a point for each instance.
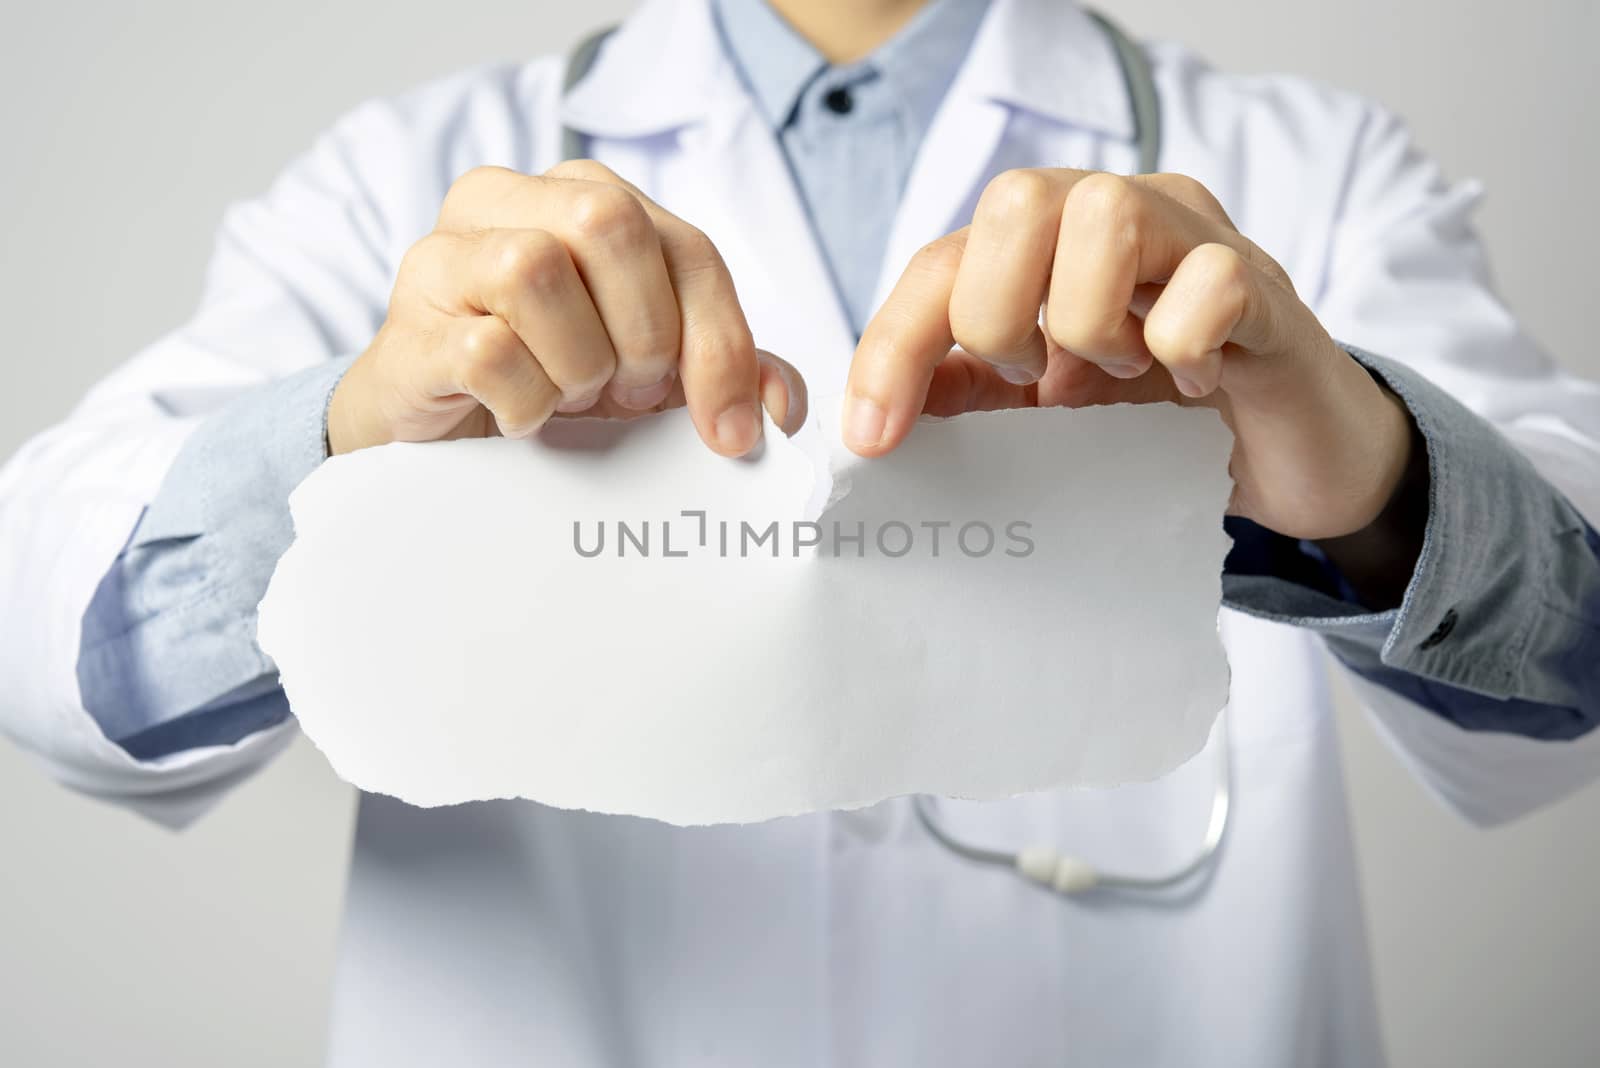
(668, 67)
(777, 63)
(919, 62)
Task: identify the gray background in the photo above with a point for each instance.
(129, 126)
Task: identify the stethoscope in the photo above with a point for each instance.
(1046, 865)
(1070, 875)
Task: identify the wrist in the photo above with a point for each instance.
(344, 429)
(1378, 558)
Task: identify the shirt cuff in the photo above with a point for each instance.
(168, 658)
(1499, 628)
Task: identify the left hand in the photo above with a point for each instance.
(1149, 294)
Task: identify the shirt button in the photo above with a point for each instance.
(1441, 632)
(839, 101)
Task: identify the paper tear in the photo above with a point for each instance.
(444, 636)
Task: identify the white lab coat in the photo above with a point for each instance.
(507, 933)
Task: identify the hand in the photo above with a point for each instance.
(569, 293)
(1148, 293)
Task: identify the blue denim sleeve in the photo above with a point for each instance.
(1499, 628)
(168, 659)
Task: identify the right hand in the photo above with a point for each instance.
(570, 292)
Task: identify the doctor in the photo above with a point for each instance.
(859, 187)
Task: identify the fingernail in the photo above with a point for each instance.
(864, 421)
(1188, 386)
(738, 428)
(578, 404)
(1126, 369)
(775, 398)
(641, 397)
(1016, 374)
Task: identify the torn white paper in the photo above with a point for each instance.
(613, 618)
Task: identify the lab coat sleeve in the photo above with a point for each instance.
(1407, 278)
(299, 279)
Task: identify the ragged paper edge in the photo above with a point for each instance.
(831, 464)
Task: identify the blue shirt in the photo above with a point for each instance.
(168, 656)
(850, 133)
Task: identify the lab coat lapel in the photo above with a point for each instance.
(664, 95)
(1045, 58)
(664, 100)
(736, 185)
(952, 162)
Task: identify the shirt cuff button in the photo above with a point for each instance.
(1441, 632)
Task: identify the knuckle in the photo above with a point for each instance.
(694, 251)
(582, 170)
(585, 376)
(427, 250)
(652, 344)
(534, 261)
(1183, 188)
(722, 351)
(1017, 196)
(1173, 340)
(605, 213)
(489, 352)
(520, 420)
(968, 329)
(979, 331)
(939, 257)
(1109, 199)
(484, 172)
(467, 189)
(1268, 266)
(1223, 272)
(526, 415)
(1083, 330)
